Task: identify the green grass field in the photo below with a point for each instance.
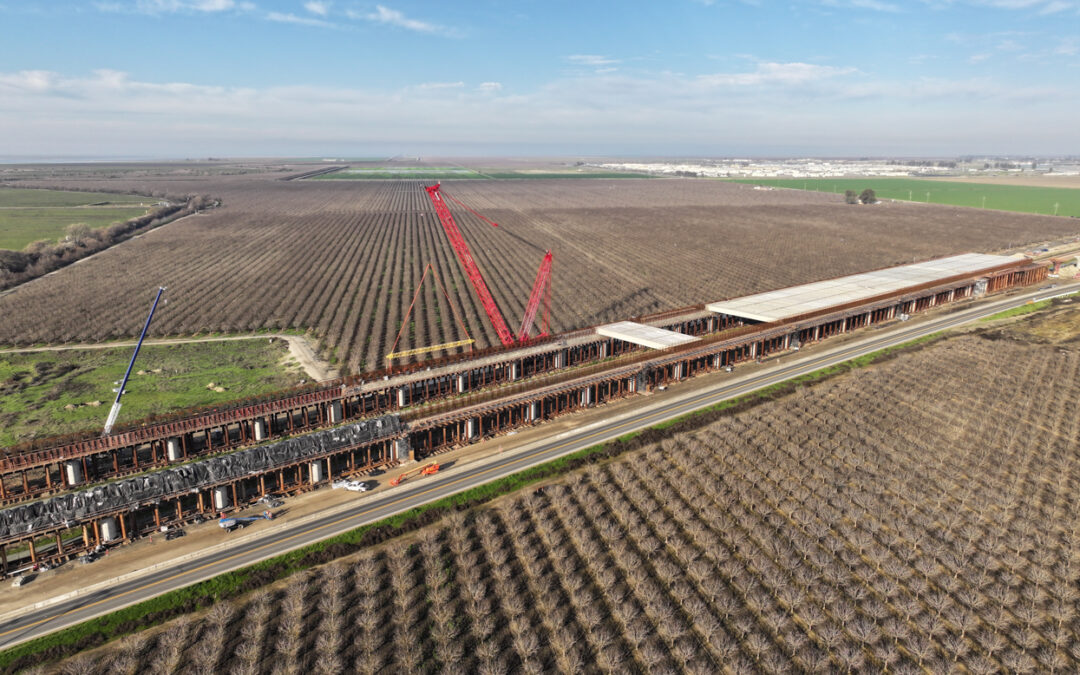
(23, 197)
(30, 215)
(19, 227)
(1017, 198)
(37, 388)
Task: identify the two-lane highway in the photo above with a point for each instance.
(40, 622)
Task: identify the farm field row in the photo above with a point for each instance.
(880, 520)
(50, 393)
(343, 258)
(1051, 180)
(435, 173)
(1055, 201)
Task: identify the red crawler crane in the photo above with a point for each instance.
(541, 287)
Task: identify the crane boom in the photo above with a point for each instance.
(541, 289)
(115, 410)
(471, 270)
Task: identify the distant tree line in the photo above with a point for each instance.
(44, 256)
(688, 174)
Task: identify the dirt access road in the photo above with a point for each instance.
(299, 347)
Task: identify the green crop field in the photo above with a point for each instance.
(47, 393)
(1018, 198)
(30, 215)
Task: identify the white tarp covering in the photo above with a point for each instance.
(646, 336)
(787, 302)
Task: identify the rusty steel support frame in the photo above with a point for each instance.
(442, 432)
(226, 430)
(148, 518)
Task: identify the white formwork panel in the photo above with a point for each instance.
(646, 336)
(788, 302)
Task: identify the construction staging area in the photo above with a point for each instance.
(56, 506)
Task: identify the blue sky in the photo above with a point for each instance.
(194, 78)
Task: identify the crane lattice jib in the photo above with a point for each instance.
(540, 291)
(471, 270)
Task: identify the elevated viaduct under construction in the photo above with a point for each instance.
(57, 503)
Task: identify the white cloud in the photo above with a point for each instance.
(279, 17)
(591, 60)
(177, 6)
(440, 85)
(28, 80)
(772, 105)
(1039, 6)
(317, 7)
(784, 74)
(1068, 47)
(978, 58)
(875, 5)
(393, 17)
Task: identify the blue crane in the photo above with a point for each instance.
(120, 390)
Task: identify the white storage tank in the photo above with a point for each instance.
(173, 451)
(74, 471)
(318, 472)
(222, 499)
(109, 529)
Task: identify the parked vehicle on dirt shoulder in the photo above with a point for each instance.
(357, 486)
(174, 534)
(230, 523)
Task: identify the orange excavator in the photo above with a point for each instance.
(426, 470)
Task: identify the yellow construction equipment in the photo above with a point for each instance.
(424, 350)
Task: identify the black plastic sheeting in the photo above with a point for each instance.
(70, 509)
